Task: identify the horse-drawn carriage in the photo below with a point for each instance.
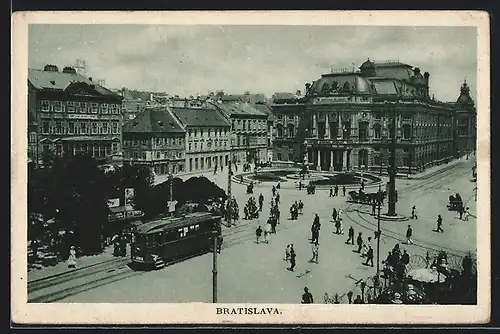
(366, 198)
(455, 203)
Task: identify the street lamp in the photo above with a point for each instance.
(392, 165)
(215, 235)
(171, 204)
(379, 232)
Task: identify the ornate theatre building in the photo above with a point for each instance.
(344, 121)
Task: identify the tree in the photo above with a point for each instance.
(77, 196)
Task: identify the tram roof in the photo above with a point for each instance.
(169, 223)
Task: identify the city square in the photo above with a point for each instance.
(142, 194)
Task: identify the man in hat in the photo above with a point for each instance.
(439, 224)
(351, 236)
(292, 258)
(369, 256)
(360, 242)
(307, 297)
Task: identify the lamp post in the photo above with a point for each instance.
(215, 235)
(379, 200)
(229, 198)
(392, 165)
(171, 181)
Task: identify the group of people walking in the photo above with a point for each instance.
(335, 191)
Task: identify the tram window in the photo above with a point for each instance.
(183, 232)
(159, 239)
(171, 236)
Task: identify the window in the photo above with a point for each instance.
(279, 130)
(83, 128)
(406, 131)
(105, 127)
(105, 108)
(334, 130)
(135, 155)
(201, 133)
(114, 127)
(114, 147)
(83, 107)
(70, 106)
(94, 127)
(363, 131)
(58, 106)
(71, 127)
(144, 156)
(115, 109)
(377, 131)
(190, 164)
(190, 147)
(59, 128)
(346, 128)
(45, 105)
(45, 127)
(279, 156)
(183, 232)
(158, 155)
(94, 108)
(196, 163)
(290, 156)
(321, 130)
(291, 130)
(233, 125)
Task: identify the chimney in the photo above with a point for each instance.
(90, 78)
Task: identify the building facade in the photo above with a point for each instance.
(73, 115)
(465, 132)
(265, 108)
(155, 138)
(248, 131)
(344, 121)
(207, 138)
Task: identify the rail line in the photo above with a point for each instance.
(398, 236)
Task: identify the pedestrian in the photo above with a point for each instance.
(277, 198)
(358, 300)
(287, 253)
(215, 169)
(351, 236)
(359, 242)
(460, 211)
(374, 206)
(369, 256)
(315, 252)
(261, 202)
(414, 212)
(341, 226)
(466, 214)
(439, 224)
(343, 190)
(337, 226)
(409, 233)
(292, 258)
(339, 214)
(307, 297)
(274, 191)
(331, 192)
(72, 257)
(334, 214)
(300, 185)
(258, 233)
(336, 190)
(367, 246)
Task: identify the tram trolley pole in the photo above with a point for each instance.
(214, 269)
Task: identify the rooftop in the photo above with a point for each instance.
(199, 117)
(51, 80)
(239, 109)
(153, 120)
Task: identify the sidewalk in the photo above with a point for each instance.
(429, 172)
(82, 262)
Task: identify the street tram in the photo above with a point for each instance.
(158, 242)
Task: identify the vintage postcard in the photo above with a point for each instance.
(250, 167)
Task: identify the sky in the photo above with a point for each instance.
(196, 59)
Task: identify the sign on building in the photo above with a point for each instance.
(171, 206)
(129, 197)
(113, 202)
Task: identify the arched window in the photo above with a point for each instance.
(363, 131)
(334, 130)
(406, 131)
(291, 130)
(346, 130)
(377, 131)
(279, 130)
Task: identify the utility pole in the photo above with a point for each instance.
(229, 198)
(171, 179)
(214, 269)
(379, 234)
(392, 165)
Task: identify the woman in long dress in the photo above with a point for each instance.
(72, 257)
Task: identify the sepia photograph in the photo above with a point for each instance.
(242, 167)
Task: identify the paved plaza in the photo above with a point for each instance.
(250, 272)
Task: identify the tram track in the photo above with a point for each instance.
(61, 278)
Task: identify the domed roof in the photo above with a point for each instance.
(464, 97)
(367, 64)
